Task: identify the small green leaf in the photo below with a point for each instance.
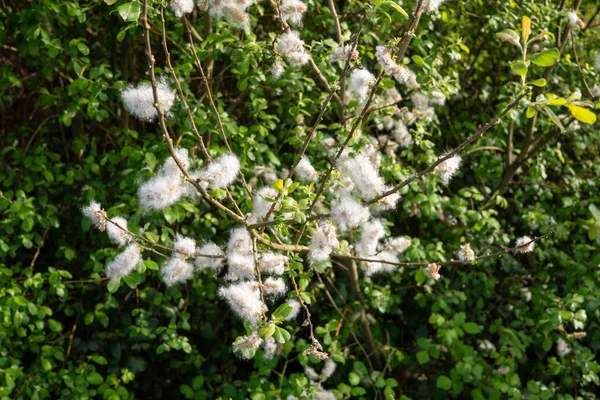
(554, 100)
(510, 36)
(530, 112)
(471, 328)
(151, 265)
(582, 114)
(519, 68)
(150, 160)
(130, 11)
(546, 58)
(539, 82)
(353, 378)
(444, 383)
(282, 311)
(546, 110)
(266, 331)
(397, 8)
(113, 285)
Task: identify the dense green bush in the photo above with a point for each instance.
(487, 330)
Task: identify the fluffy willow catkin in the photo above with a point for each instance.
(139, 100)
(348, 213)
(292, 48)
(181, 7)
(124, 263)
(244, 299)
(448, 168)
(240, 257)
(209, 249)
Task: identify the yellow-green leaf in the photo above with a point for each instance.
(539, 82)
(519, 68)
(545, 58)
(555, 100)
(526, 24)
(530, 112)
(582, 114)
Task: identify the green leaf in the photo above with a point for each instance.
(582, 114)
(282, 311)
(423, 357)
(353, 378)
(519, 68)
(471, 328)
(130, 11)
(530, 112)
(266, 331)
(546, 58)
(113, 285)
(510, 36)
(95, 378)
(110, 2)
(554, 100)
(397, 8)
(539, 82)
(151, 265)
(444, 383)
(546, 110)
(150, 160)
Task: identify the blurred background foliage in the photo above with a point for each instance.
(484, 331)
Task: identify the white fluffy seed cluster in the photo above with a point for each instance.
(270, 347)
(181, 7)
(359, 85)
(295, 304)
(169, 185)
(305, 171)
(465, 254)
(522, 246)
(348, 213)
(432, 5)
(292, 48)
(448, 168)
(369, 247)
(93, 211)
(233, 11)
(323, 242)
(139, 100)
(240, 256)
(292, 11)
(342, 53)
(246, 346)
(326, 372)
(116, 229)
(403, 75)
(178, 269)
(205, 261)
(399, 131)
(572, 18)
(277, 69)
(264, 199)
(433, 271)
(124, 263)
(562, 347)
(244, 300)
(365, 176)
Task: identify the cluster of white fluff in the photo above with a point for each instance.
(139, 100)
(270, 347)
(178, 269)
(342, 53)
(124, 263)
(292, 11)
(348, 213)
(233, 11)
(466, 254)
(572, 18)
(274, 287)
(209, 249)
(240, 256)
(272, 264)
(181, 7)
(169, 185)
(116, 230)
(448, 168)
(305, 171)
(365, 176)
(432, 5)
(323, 242)
(219, 173)
(244, 299)
(326, 372)
(93, 211)
(403, 75)
(433, 270)
(437, 98)
(292, 48)
(369, 247)
(295, 304)
(401, 133)
(359, 85)
(520, 245)
(264, 199)
(562, 347)
(277, 69)
(246, 346)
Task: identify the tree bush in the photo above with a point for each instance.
(301, 199)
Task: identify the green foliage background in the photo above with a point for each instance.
(65, 139)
